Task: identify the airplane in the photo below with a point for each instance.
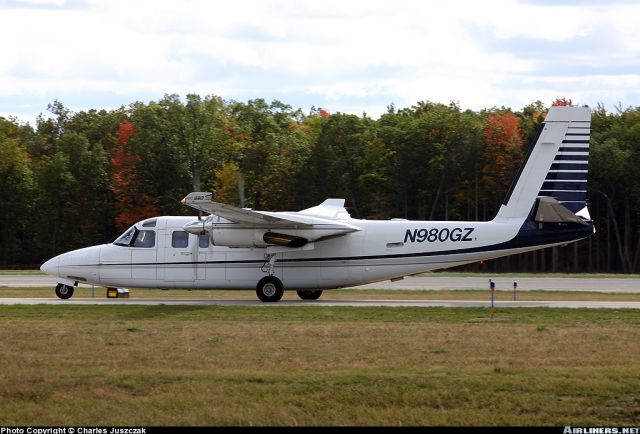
(323, 247)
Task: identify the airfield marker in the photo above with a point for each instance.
(492, 287)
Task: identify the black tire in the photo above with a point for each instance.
(269, 289)
(310, 295)
(64, 291)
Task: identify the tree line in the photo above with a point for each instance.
(78, 179)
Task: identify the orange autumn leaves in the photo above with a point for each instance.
(503, 152)
(132, 206)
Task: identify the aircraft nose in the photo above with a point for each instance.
(80, 265)
(51, 266)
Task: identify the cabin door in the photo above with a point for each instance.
(179, 261)
(210, 268)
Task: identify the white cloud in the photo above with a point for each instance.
(342, 53)
(512, 19)
(42, 2)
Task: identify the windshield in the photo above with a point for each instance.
(126, 238)
(146, 239)
(134, 237)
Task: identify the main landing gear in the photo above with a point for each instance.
(310, 295)
(270, 289)
(64, 291)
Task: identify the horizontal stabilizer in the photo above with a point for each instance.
(549, 210)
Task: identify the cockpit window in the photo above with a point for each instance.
(134, 237)
(149, 223)
(146, 239)
(126, 238)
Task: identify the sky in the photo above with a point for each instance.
(349, 56)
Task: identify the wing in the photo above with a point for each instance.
(323, 215)
(202, 201)
(246, 228)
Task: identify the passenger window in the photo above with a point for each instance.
(203, 241)
(180, 240)
(145, 239)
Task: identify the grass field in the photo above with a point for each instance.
(271, 365)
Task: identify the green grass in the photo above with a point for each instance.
(273, 313)
(322, 366)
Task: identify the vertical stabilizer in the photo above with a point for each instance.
(556, 165)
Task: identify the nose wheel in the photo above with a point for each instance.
(64, 291)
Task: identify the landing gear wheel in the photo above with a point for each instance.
(64, 291)
(310, 295)
(269, 289)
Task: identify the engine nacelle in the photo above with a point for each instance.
(238, 237)
(254, 238)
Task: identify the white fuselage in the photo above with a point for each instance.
(381, 250)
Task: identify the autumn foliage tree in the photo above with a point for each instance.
(562, 102)
(503, 153)
(226, 184)
(132, 205)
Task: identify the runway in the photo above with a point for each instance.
(27, 281)
(434, 282)
(330, 303)
(588, 284)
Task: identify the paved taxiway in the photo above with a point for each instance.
(436, 282)
(589, 284)
(26, 281)
(331, 303)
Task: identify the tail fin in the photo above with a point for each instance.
(556, 165)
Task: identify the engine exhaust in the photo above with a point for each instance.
(283, 240)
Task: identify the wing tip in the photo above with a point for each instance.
(197, 196)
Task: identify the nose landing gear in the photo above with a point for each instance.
(64, 291)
